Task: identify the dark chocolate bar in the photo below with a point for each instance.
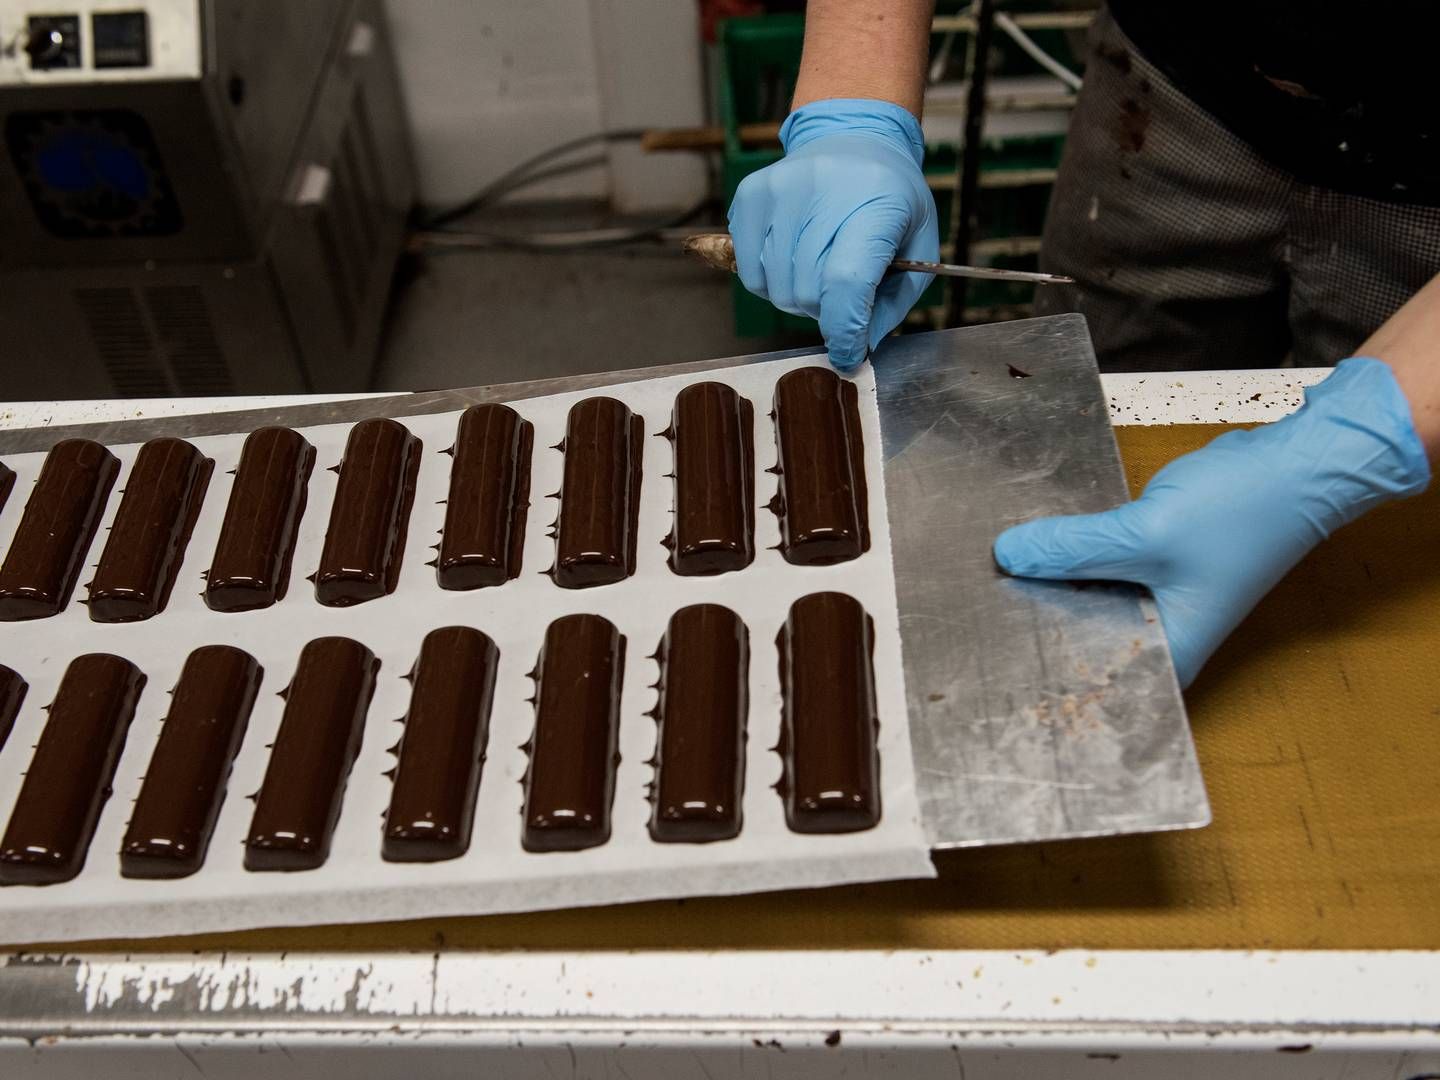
(12, 695)
(251, 568)
(320, 733)
(600, 495)
(7, 482)
(485, 513)
(700, 748)
(831, 768)
(822, 501)
(146, 545)
(570, 783)
(184, 786)
(443, 747)
(69, 777)
(55, 531)
(712, 430)
(365, 543)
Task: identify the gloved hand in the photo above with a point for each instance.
(1215, 530)
(815, 231)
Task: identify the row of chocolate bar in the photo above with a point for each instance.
(821, 502)
(830, 775)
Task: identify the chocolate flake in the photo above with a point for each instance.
(69, 777)
(712, 430)
(365, 543)
(700, 746)
(320, 733)
(484, 534)
(251, 568)
(831, 768)
(822, 499)
(443, 748)
(147, 540)
(570, 783)
(185, 783)
(56, 529)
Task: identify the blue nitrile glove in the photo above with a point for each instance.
(1215, 530)
(815, 231)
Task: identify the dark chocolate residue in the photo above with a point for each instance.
(712, 431)
(484, 534)
(700, 746)
(365, 543)
(600, 494)
(320, 733)
(175, 813)
(251, 567)
(570, 783)
(56, 529)
(442, 749)
(147, 540)
(822, 499)
(69, 777)
(829, 724)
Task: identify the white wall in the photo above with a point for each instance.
(487, 83)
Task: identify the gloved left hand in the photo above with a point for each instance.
(1215, 530)
(815, 232)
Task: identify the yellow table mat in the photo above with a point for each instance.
(1318, 730)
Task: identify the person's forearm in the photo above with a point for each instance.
(1410, 343)
(865, 49)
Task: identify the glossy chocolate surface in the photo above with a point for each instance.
(320, 733)
(831, 768)
(600, 496)
(146, 543)
(7, 483)
(700, 749)
(822, 499)
(55, 532)
(570, 783)
(69, 777)
(12, 696)
(713, 432)
(185, 783)
(251, 568)
(485, 512)
(365, 542)
(442, 749)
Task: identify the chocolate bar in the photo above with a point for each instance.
(251, 568)
(147, 540)
(600, 494)
(822, 501)
(173, 818)
(570, 783)
(54, 534)
(700, 747)
(7, 482)
(320, 733)
(12, 694)
(830, 780)
(443, 747)
(365, 543)
(69, 777)
(712, 429)
(485, 513)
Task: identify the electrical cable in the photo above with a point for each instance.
(1035, 52)
(458, 240)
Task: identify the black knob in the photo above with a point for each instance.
(45, 44)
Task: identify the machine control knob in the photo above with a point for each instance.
(45, 45)
(53, 41)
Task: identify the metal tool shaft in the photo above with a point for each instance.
(718, 250)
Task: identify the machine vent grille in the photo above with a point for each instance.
(156, 342)
(123, 341)
(187, 340)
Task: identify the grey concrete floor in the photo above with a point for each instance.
(494, 315)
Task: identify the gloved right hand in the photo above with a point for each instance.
(815, 232)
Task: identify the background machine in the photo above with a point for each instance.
(196, 196)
